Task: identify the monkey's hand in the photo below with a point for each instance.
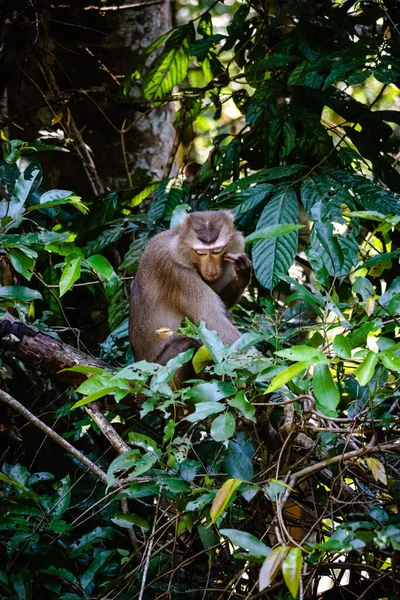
(242, 265)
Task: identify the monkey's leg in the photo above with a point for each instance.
(231, 293)
(174, 346)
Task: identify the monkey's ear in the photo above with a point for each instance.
(229, 214)
(180, 218)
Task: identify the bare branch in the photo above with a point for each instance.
(92, 467)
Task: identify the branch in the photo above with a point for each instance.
(10, 401)
(45, 353)
(307, 471)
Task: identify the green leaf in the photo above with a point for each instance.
(342, 346)
(142, 441)
(287, 375)
(80, 546)
(238, 461)
(369, 195)
(62, 499)
(104, 391)
(126, 520)
(303, 353)
(70, 273)
(149, 189)
(223, 427)
(271, 566)
(22, 263)
(365, 371)
(263, 175)
(201, 359)
(100, 266)
(380, 258)
(223, 497)
(247, 541)
(140, 61)
(62, 573)
(28, 181)
(204, 410)
(200, 502)
(273, 257)
(326, 393)
(95, 566)
(169, 431)
(245, 407)
(205, 25)
(390, 360)
(179, 212)
(291, 570)
(19, 292)
(273, 231)
(170, 67)
(213, 391)
(131, 461)
(212, 342)
(59, 198)
(303, 294)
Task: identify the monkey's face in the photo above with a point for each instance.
(210, 262)
(205, 238)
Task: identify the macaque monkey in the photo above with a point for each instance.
(196, 270)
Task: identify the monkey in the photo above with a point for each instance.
(197, 270)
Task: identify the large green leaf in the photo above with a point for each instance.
(19, 292)
(247, 541)
(326, 393)
(238, 461)
(28, 181)
(223, 427)
(325, 201)
(70, 273)
(367, 194)
(171, 66)
(291, 570)
(22, 263)
(273, 257)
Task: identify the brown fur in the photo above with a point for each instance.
(174, 281)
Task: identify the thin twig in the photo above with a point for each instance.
(149, 549)
(10, 401)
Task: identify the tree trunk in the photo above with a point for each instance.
(68, 83)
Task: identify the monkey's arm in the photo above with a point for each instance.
(199, 302)
(231, 293)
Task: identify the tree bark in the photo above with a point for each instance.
(45, 353)
(68, 80)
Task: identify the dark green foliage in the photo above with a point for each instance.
(309, 167)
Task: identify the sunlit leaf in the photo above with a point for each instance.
(273, 231)
(287, 375)
(303, 353)
(100, 266)
(326, 393)
(223, 497)
(223, 427)
(291, 570)
(271, 566)
(341, 346)
(70, 273)
(365, 371)
(377, 469)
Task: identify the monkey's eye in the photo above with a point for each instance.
(201, 252)
(217, 251)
